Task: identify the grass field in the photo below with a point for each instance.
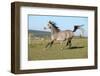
(37, 50)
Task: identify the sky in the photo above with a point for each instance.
(38, 22)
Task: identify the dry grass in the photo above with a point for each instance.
(37, 50)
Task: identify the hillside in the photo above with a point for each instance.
(38, 33)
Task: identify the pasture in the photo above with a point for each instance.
(37, 50)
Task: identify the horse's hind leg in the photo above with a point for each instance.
(49, 44)
(67, 43)
(70, 44)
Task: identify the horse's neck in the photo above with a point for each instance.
(53, 31)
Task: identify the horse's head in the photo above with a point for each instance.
(52, 26)
(49, 24)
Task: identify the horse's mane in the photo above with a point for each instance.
(54, 25)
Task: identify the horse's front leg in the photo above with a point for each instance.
(49, 44)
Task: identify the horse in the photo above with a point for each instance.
(58, 35)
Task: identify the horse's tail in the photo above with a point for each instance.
(77, 27)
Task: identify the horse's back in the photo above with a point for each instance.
(63, 35)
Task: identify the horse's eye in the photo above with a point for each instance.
(49, 26)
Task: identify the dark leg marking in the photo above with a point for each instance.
(70, 43)
(67, 43)
(49, 44)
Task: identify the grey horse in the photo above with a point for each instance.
(57, 34)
